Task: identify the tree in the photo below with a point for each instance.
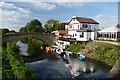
(61, 26)
(32, 26)
(47, 29)
(66, 31)
(23, 30)
(34, 45)
(52, 22)
(12, 32)
(118, 25)
(5, 30)
(51, 25)
(36, 22)
(17, 64)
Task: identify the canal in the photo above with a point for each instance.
(48, 65)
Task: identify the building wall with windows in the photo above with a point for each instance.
(84, 26)
(110, 33)
(82, 29)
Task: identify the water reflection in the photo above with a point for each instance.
(61, 69)
(23, 48)
(48, 65)
(86, 69)
(48, 69)
(30, 46)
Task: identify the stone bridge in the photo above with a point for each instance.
(46, 38)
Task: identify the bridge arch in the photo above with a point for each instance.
(46, 38)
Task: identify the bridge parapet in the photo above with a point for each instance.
(46, 38)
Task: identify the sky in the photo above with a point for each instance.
(14, 15)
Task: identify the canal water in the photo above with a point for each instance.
(48, 65)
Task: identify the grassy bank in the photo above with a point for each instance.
(104, 52)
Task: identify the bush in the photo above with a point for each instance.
(75, 47)
(16, 67)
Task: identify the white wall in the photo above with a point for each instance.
(75, 24)
(92, 35)
(74, 21)
(66, 26)
(82, 39)
(72, 32)
(87, 35)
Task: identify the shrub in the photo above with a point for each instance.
(75, 47)
(16, 66)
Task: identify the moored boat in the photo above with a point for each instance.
(59, 51)
(81, 57)
(48, 49)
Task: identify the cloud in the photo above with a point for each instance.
(8, 16)
(61, 0)
(71, 4)
(12, 16)
(7, 5)
(106, 21)
(10, 5)
(23, 10)
(84, 0)
(11, 19)
(43, 5)
(114, 17)
(99, 16)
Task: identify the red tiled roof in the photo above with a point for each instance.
(61, 31)
(86, 20)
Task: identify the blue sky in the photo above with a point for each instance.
(15, 15)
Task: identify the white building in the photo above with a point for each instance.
(82, 29)
(110, 33)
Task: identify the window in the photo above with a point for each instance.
(107, 36)
(85, 25)
(75, 34)
(98, 34)
(70, 26)
(110, 35)
(89, 26)
(114, 35)
(81, 34)
(118, 34)
(78, 26)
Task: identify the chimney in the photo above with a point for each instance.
(74, 17)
